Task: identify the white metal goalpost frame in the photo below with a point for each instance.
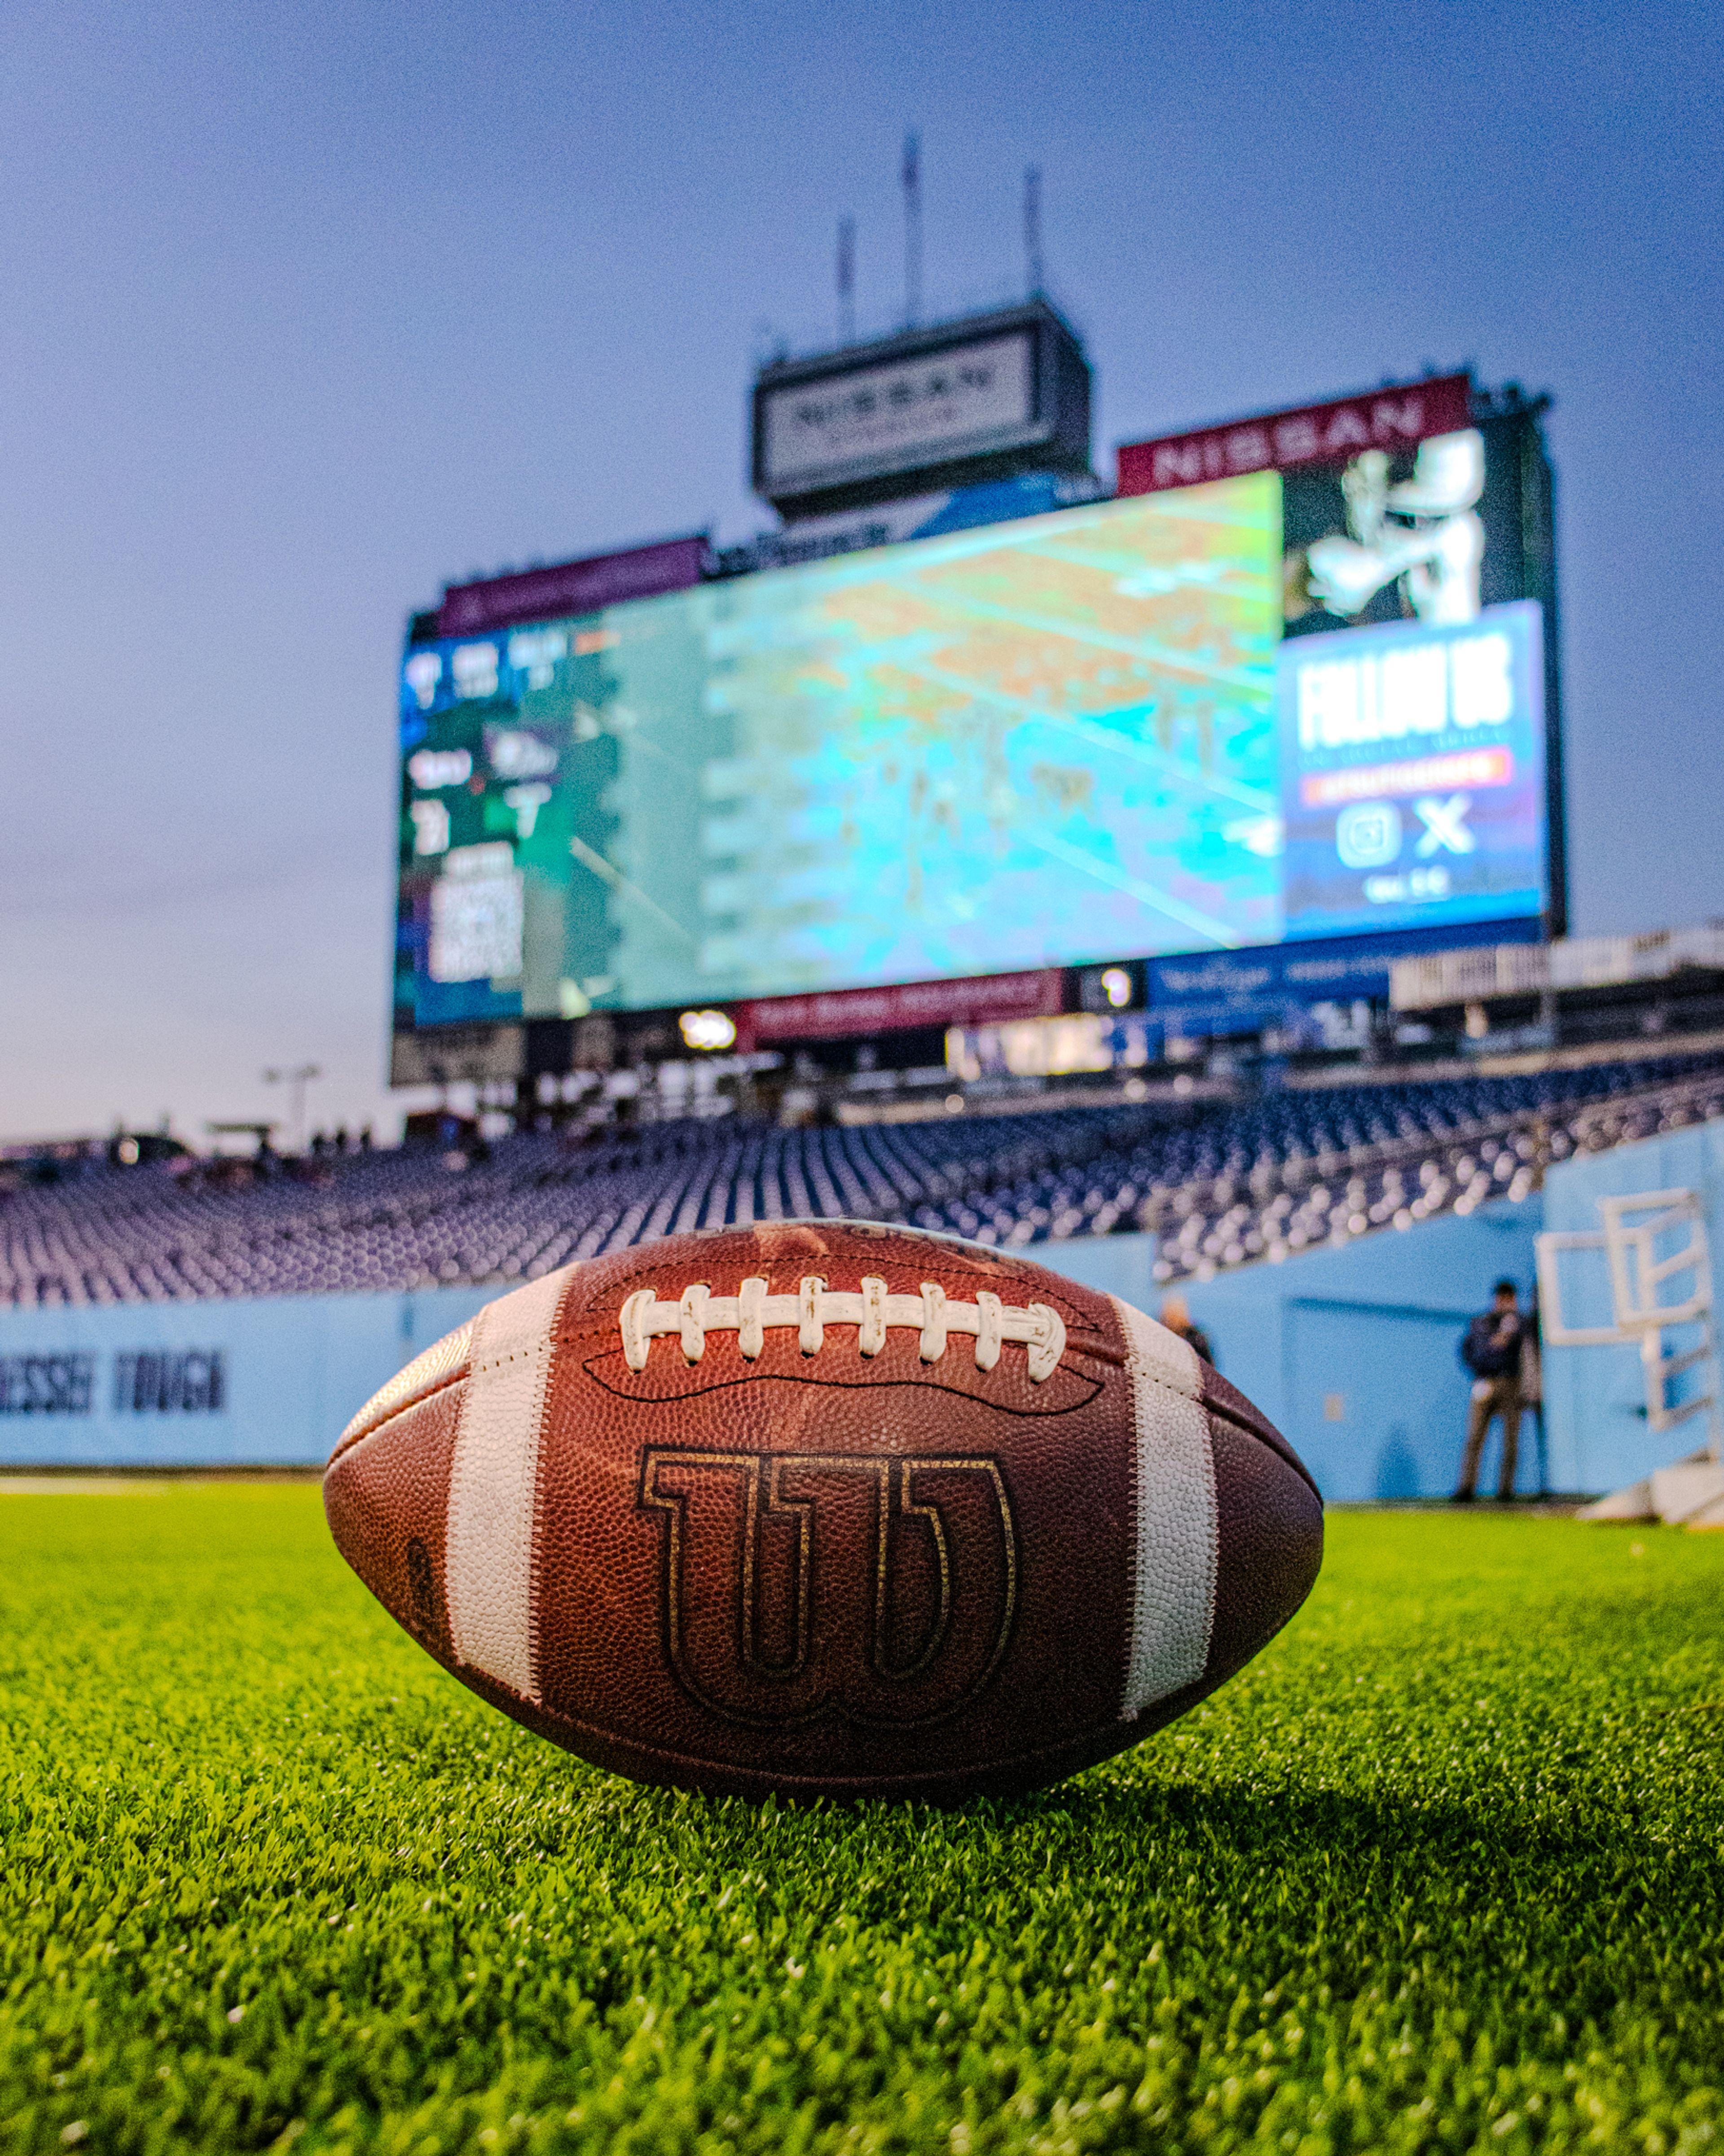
(1647, 1303)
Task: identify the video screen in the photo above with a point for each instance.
(1200, 718)
(1413, 772)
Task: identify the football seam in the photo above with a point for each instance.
(867, 1231)
(467, 1672)
(358, 1436)
(1288, 1458)
(455, 1377)
(1223, 1413)
(514, 1355)
(1102, 1353)
(1082, 1338)
(922, 1378)
(572, 1340)
(970, 1274)
(601, 1322)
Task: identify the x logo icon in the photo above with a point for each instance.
(1444, 825)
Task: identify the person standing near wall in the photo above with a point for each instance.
(1532, 1390)
(1492, 1348)
(1176, 1315)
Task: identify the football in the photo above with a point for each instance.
(826, 1509)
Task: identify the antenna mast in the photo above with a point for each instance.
(1032, 230)
(912, 178)
(847, 280)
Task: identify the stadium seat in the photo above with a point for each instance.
(1223, 1184)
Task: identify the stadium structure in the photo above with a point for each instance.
(1164, 878)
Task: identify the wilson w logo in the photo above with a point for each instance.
(800, 1584)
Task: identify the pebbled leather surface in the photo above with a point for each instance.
(386, 1498)
(1271, 1522)
(829, 1574)
(1227, 1401)
(634, 1543)
(441, 1364)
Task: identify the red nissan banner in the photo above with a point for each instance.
(1314, 434)
(842, 1013)
(566, 587)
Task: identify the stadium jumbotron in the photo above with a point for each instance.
(1165, 880)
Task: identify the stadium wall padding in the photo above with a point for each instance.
(1353, 1352)
(1350, 1351)
(294, 1369)
(1597, 1396)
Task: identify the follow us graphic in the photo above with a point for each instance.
(1413, 785)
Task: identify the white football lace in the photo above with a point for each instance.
(814, 1306)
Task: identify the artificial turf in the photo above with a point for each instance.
(1442, 1870)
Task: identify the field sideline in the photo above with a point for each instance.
(1444, 1869)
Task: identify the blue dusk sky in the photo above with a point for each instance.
(309, 309)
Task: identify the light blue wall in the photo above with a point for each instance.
(295, 1368)
(1596, 1397)
(1351, 1351)
(1117, 1264)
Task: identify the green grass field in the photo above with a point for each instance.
(1442, 1869)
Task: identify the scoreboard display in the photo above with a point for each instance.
(1266, 705)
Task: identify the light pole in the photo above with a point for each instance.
(298, 1078)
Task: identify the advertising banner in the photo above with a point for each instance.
(921, 516)
(1413, 770)
(1385, 420)
(601, 580)
(907, 414)
(1238, 991)
(257, 1380)
(850, 1014)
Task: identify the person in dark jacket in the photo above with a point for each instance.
(1533, 1391)
(1491, 1350)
